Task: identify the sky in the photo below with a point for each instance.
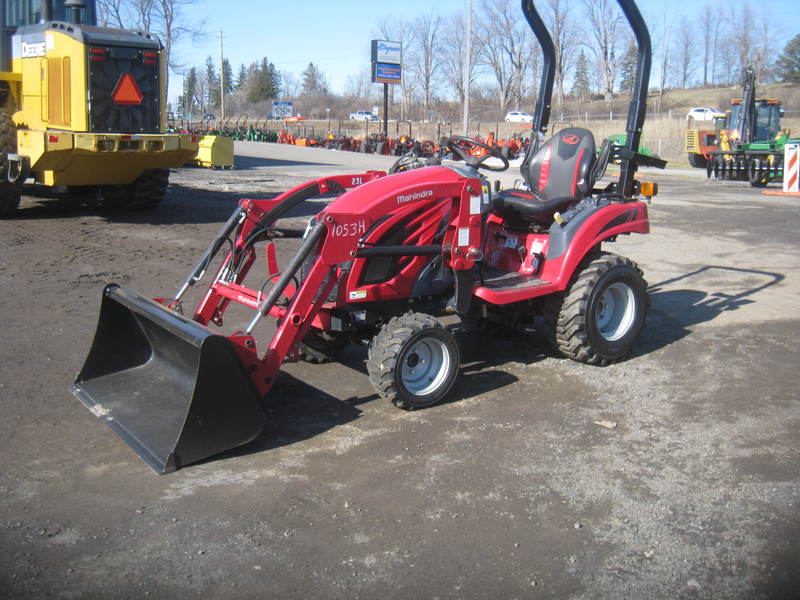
(335, 34)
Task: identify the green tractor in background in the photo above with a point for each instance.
(749, 143)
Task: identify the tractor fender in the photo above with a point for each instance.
(572, 240)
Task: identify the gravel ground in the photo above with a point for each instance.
(674, 474)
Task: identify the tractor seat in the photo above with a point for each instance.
(559, 174)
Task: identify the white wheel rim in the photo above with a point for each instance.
(616, 311)
(425, 366)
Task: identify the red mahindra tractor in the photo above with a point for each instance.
(386, 257)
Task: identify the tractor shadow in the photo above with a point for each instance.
(485, 362)
(783, 578)
(488, 359)
(296, 411)
(182, 206)
(674, 311)
(245, 163)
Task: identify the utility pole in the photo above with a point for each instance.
(467, 69)
(222, 79)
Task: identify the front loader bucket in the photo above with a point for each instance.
(175, 391)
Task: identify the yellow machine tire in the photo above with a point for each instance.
(9, 192)
(146, 192)
(697, 161)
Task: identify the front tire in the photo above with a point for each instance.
(10, 193)
(598, 319)
(755, 174)
(413, 361)
(145, 192)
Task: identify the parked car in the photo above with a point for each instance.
(703, 113)
(362, 115)
(517, 116)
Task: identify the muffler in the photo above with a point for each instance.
(172, 389)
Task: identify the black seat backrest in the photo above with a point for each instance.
(601, 165)
(562, 166)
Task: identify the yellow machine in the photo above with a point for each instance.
(83, 106)
(215, 152)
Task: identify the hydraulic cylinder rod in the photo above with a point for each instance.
(308, 246)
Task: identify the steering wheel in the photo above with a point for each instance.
(475, 161)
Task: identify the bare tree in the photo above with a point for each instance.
(764, 48)
(604, 22)
(662, 52)
(684, 45)
(564, 33)
(742, 37)
(505, 48)
(397, 30)
(289, 84)
(358, 87)
(709, 25)
(171, 26)
(748, 43)
(494, 58)
(144, 12)
(453, 55)
(424, 57)
(165, 18)
(112, 13)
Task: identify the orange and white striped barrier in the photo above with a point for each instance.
(791, 168)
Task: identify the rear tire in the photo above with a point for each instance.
(145, 192)
(320, 347)
(598, 319)
(413, 361)
(10, 193)
(698, 161)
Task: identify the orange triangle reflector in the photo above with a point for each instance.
(126, 91)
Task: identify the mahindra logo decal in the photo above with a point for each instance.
(414, 196)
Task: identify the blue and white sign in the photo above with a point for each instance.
(385, 51)
(387, 73)
(282, 109)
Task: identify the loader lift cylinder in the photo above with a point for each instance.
(200, 268)
(308, 246)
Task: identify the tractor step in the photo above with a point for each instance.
(498, 280)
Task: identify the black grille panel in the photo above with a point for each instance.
(106, 115)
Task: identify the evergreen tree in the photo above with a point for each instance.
(788, 63)
(273, 78)
(313, 82)
(227, 76)
(264, 81)
(627, 70)
(582, 86)
(212, 83)
(189, 90)
(241, 78)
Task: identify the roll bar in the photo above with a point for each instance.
(638, 104)
(541, 116)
